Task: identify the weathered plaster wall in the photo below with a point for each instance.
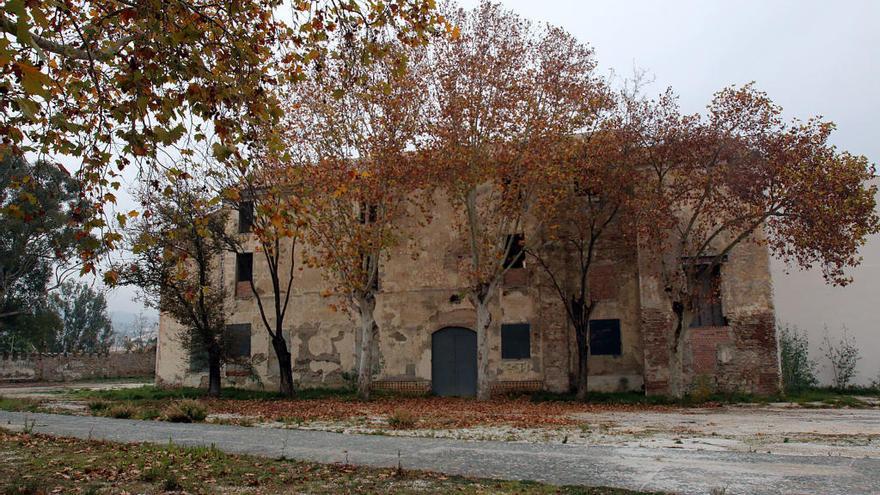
(422, 292)
(68, 367)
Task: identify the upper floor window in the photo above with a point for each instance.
(368, 213)
(706, 294)
(516, 255)
(245, 216)
(244, 267)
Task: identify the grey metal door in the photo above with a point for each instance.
(454, 362)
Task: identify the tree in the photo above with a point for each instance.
(740, 175)
(505, 95)
(86, 325)
(593, 202)
(175, 262)
(40, 218)
(141, 335)
(112, 82)
(362, 174)
(268, 190)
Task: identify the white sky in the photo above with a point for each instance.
(812, 57)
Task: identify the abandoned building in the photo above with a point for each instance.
(426, 341)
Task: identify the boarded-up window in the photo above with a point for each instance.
(516, 341)
(244, 267)
(605, 337)
(707, 297)
(238, 340)
(516, 255)
(245, 216)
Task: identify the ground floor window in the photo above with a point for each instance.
(516, 341)
(605, 337)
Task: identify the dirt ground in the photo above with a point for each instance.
(779, 428)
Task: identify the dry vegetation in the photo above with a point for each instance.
(39, 464)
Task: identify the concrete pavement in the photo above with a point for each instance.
(635, 468)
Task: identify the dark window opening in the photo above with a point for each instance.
(198, 359)
(605, 338)
(707, 297)
(244, 267)
(516, 341)
(245, 216)
(368, 213)
(238, 341)
(516, 256)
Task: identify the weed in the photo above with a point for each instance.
(149, 414)
(401, 419)
(98, 406)
(121, 411)
(171, 483)
(23, 486)
(185, 411)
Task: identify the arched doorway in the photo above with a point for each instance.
(454, 362)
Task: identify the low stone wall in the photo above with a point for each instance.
(69, 367)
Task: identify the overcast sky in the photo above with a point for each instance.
(812, 57)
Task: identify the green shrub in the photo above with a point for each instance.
(798, 370)
(842, 355)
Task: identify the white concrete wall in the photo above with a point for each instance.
(803, 299)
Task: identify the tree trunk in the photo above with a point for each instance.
(676, 353)
(214, 371)
(366, 307)
(583, 352)
(484, 320)
(284, 365)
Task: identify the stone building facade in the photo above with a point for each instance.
(425, 340)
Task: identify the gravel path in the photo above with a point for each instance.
(635, 468)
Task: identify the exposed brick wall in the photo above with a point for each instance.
(656, 327)
(68, 367)
(407, 386)
(741, 357)
(506, 387)
(704, 346)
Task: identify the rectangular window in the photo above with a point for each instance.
(244, 267)
(238, 340)
(516, 255)
(245, 216)
(198, 359)
(707, 297)
(516, 341)
(605, 338)
(368, 213)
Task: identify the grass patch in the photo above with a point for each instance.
(18, 404)
(105, 467)
(185, 411)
